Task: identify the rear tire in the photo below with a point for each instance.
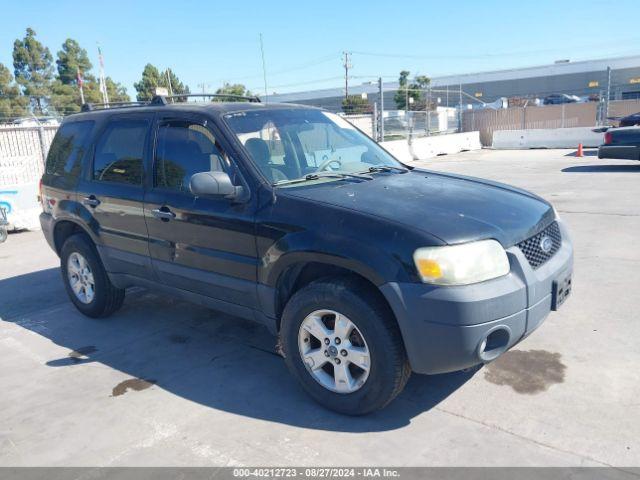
(373, 332)
(86, 280)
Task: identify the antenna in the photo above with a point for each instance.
(264, 71)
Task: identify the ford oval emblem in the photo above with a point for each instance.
(546, 244)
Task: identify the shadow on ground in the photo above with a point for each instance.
(585, 153)
(203, 356)
(603, 168)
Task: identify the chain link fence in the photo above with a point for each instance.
(23, 151)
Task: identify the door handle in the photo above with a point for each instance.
(91, 201)
(163, 214)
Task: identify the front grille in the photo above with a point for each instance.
(533, 250)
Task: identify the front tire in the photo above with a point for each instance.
(86, 280)
(343, 345)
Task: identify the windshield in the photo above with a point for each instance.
(290, 145)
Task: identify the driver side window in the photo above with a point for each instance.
(184, 148)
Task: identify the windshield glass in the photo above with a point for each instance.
(292, 144)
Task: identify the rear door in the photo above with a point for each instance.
(112, 193)
(64, 165)
(202, 245)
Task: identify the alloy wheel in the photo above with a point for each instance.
(80, 278)
(334, 351)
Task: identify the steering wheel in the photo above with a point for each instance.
(328, 161)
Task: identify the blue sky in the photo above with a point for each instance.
(210, 42)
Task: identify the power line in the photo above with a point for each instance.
(311, 63)
(319, 80)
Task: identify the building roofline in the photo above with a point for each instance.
(581, 66)
(559, 68)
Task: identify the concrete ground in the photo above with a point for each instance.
(167, 383)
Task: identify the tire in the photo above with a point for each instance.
(376, 332)
(106, 298)
(3, 234)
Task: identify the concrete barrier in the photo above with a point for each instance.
(547, 138)
(22, 206)
(428, 147)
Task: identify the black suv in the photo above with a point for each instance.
(366, 268)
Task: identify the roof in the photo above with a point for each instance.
(219, 108)
(560, 68)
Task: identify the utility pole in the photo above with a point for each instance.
(406, 98)
(347, 65)
(460, 111)
(381, 112)
(606, 100)
(168, 73)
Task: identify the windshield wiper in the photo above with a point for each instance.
(318, 175)
(386, 168)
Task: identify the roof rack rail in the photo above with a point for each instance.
(162, 99)
(88, 107)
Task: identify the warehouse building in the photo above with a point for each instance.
(590, 78)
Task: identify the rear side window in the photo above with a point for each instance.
(68, 148)
(183, 149)
(119, 152)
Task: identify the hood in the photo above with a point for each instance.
(454, 208)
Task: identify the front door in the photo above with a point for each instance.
(201, 245)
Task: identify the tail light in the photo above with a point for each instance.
(40, 196)
(608, 138)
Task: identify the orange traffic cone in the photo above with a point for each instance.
(579, 153)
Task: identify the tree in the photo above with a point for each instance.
(118, 92)
(33, 70)
(71, 59)
(235, 89)
(64, 99)
(355, 104)
(152, 78)
(413, 90)
(401, 95)
(147, 85)
(12, 103)
(175, 86)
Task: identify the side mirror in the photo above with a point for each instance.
(216, 184)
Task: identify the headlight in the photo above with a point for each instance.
(461, 264)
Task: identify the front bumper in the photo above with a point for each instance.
(444, 327)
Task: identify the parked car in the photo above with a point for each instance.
(36, 121)
(621, 143)
(3, 225)
(367, 269)
(630, 120)
(556, 99)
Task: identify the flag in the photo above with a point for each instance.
(79, 78)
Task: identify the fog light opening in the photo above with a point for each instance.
(494, 344)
